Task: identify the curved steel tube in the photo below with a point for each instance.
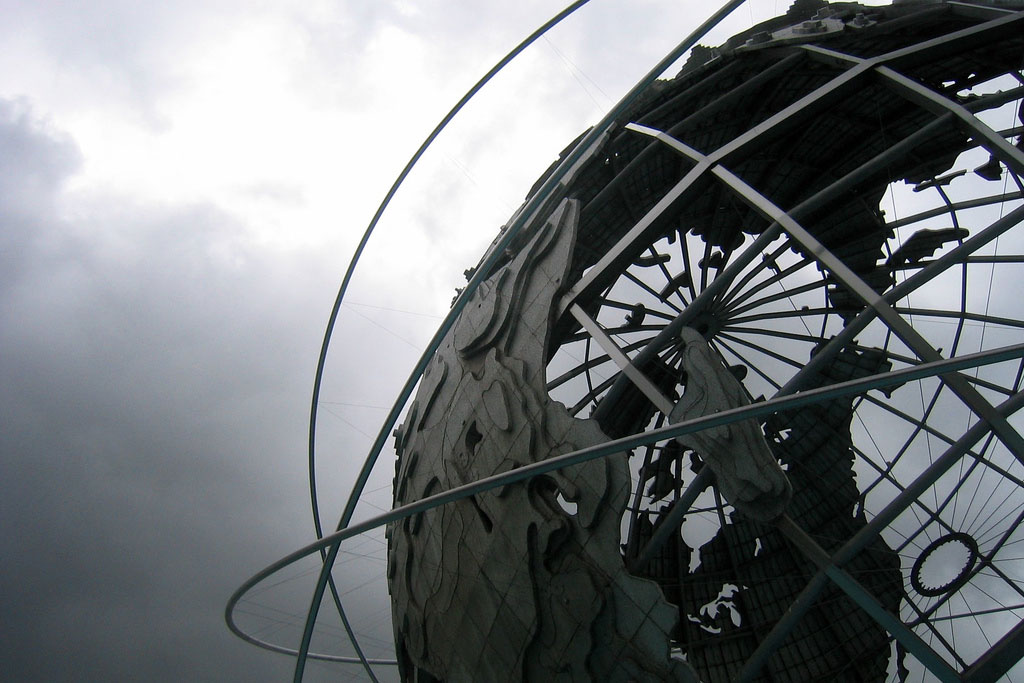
(539, 199)
(754, 410)
(533, 206)
(321, 362)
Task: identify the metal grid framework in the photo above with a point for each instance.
(743, 199)
(880, 353)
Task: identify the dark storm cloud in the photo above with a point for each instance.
(154, 368)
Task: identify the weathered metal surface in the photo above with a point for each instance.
(516, 585)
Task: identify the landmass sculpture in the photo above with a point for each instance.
(790, 402)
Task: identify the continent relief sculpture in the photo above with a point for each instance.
(510, 585)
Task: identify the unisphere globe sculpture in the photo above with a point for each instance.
(715, 405)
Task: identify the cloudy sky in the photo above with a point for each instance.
(181, 186)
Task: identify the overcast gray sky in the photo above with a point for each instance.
(181, 186)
